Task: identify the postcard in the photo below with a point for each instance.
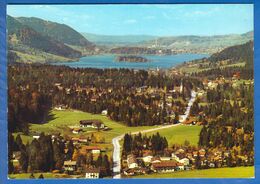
(123, 91)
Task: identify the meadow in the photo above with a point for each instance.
(60, 121)
(235, 172)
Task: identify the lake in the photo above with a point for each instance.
(156, 61)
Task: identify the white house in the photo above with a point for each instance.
(69, 165)
(147, 158)
(92, 173)
(93, 149)
(131, 161)
(175, 157)
(36, 137)
(165, 158)
(104, 112)
(185, 161)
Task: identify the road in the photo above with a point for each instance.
(116, 144)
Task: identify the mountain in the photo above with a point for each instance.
(117, 39)
(235, 58)
(209, 44)
(236, 54)
(60, 32)
(177, 44)
(30, 44)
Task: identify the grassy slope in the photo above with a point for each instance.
(178, 134)
(236, 172)
(60, 120)
(27, 175)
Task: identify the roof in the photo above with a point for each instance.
(131, 159)
(92, 170)
(75, 139)
(90, 122)
(167, 164)
(156, 158)
(69, 162)
(92, 148)
(76, 129)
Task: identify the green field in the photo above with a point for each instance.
(236, 172)
(61, 120)
(178, 134)
(27, 175)
(47, 175)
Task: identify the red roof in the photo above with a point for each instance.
(167, 164)
(92, 148)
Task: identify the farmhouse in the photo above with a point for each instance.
(167, 166)
(60, 107)
(185, 161)
(155, 160)
(92, 173)
(76, 130)
(70, 166)
(147, 158)
(104, 112)
(92, 149)
(129, 172)
(92, 124)
(16, 156)
(131, 161)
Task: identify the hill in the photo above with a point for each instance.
(60, 32)
(238, 58)
(236, 54)
(208, 44)
(117, 39)
(29, 43)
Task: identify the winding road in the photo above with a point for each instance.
(116, 144)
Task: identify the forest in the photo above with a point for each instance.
(35, 89)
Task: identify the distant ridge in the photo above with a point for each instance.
(37, 40)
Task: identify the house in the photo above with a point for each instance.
(185, 161)
(36, 137)
(93, 149)
(175, 157)
(129, 172)
(83, 140)
(131, 161)
(16, 156)
(147, 158)
(180, 167)
(94, 98)
(202, 152)
(156, 160)
(211, 164)
(92, 173)
(76, 130)
(92, 124)
(167, 166)
(75, 140)
(70, 166)
(165, 158)
(104, 112)
(189, 122)
(60, 107)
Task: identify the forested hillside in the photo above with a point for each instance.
(32, 43)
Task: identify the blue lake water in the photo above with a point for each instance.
(155, 61)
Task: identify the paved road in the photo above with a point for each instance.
(115, 141)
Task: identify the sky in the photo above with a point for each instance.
(158, 20)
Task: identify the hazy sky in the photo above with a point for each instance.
(163, 20)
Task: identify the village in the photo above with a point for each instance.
(170, 103)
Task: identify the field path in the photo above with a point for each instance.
(116, 144)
